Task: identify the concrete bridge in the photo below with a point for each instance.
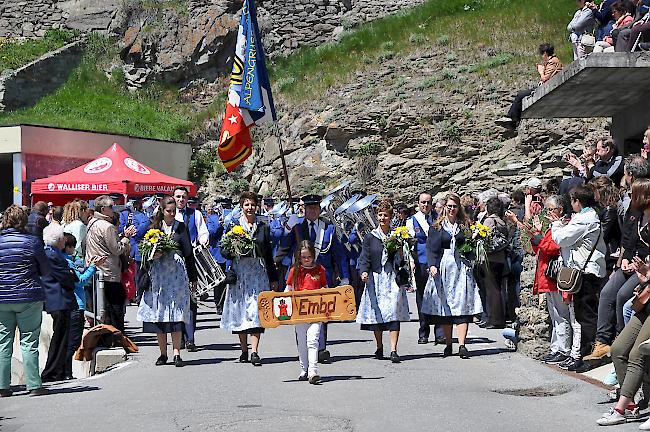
(615, 85)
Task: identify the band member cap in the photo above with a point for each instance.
(312, 199)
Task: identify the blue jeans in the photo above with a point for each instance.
(27, 317)
(628, 311)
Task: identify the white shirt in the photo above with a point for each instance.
(201, 227)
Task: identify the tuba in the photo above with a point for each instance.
(332, 202)
(210, 274)
(362, 215)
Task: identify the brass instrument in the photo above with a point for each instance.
(361, 212)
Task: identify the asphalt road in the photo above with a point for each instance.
(358, 393)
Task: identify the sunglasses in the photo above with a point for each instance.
(451, 207)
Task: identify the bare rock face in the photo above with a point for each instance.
(177, 45)
(534, 320)
(395, 132)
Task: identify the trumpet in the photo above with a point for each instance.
(210, 274)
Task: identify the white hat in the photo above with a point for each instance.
(534, 183)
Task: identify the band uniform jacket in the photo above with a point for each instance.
(332, 255)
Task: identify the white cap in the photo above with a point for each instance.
(534, 183)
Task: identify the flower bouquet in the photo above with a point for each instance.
(155, 241)
(395, 241)
(478, 238)
(238, 242)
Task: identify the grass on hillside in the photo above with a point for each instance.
(90, 101)
(15, 54)
(511, 28)
(514, 28)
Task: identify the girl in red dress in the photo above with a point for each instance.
(306, 274)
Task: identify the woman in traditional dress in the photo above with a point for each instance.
(383, 303)
(165, 306)
(451, 295)
(254, 273)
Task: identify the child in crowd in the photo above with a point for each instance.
(306, 274)
(75, 331)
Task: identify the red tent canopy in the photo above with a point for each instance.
(114, 171)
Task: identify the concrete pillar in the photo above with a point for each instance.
(628, 123)
(17, 167)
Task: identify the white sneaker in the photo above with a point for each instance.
(644, 348)
(645, 425)
(314, 379)
(611, 418)
(506, 122)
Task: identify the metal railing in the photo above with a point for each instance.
(95, 309)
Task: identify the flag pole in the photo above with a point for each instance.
(284, 164)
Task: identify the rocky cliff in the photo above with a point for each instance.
(180, 41)
(406, 124)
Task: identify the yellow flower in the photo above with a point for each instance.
(154, 240)
(238, 230)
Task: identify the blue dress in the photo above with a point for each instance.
(383, 302)
(254, 274)
(168, 300)
(165, 307)
(452, 296)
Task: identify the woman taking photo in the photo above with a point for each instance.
(582, 248)
(165, 305)
(383, 303)
(254, 273)
(451, 295)
(22, 264)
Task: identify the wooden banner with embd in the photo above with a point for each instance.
(297, 307)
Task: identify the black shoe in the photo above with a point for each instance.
(570, 364)
(68, 377)
(42, 391)
(482, 324)
(303, 377)
(6, 392)
(578, 366)
(255, 359)
(440, 340)
(191, 347)
(178, 361)
(462, 352)
(162, 360)
(243, 358)
(394, 357)
(448, 351)
(379, 354)
(423, 340)
(324, 356)
(555, 359)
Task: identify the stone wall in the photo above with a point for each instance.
(289, 24)
(23, 87)
(32, 18)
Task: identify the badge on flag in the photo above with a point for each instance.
(250, 101)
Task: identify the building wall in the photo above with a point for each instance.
(49, 151)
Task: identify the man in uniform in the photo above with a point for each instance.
(329, 253)
(199, 234)
(418, 227)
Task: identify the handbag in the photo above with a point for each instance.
(588, 40)
(569, 280)
(553, 268)
(641, 298)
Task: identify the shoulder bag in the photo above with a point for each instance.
(569, 280)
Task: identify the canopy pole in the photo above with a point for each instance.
(284, 164)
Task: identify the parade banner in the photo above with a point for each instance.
(298, 307)
(250, 101)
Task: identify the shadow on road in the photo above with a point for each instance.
(345, 341)
(206, 361)
(277, 360)
(219, 347)
(333, 378)
(75, 389)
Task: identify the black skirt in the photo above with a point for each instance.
(162, 327)
(460, 319)
(253, 330)
(389, 326)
